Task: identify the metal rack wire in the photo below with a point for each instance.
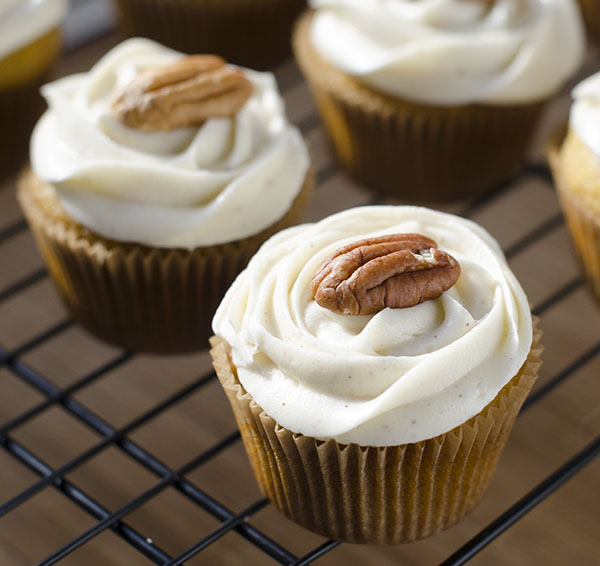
(166, 476)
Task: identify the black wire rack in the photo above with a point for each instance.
(166, 476)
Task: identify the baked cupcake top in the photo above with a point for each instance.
(24, 21)
(395, 376)
(453, 52)
(140, 149)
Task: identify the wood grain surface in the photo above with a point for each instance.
(524, 217)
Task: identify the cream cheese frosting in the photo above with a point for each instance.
(224, 180)
(24, 21)
(453, 52)
(584, 116)
(399, 376)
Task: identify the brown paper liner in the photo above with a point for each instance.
(254, 33)
(581, 212)
(591, 15)
(411, 151)
(376, 495)
(21, 76)
(20, 107)
(134, 296)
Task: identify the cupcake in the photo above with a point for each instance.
(436, 99)
(375, 362)
(575, 161)
(591, 16)
(255, 33)
(154, 177)
(29, 44)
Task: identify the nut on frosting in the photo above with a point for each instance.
(219, 181)
(396, 271)
(389, 378)
(184, 93)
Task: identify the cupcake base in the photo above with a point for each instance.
(21, 75)
(141, 298)
(375, 495)
(591, 17)
(252, 33)
(412, 151)
(20, 107)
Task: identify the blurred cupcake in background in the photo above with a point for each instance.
(29, 44)
(575, 163)
(254, 33)
(591, 16)
(155, 177)
(436, 99)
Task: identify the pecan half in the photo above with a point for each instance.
(184, 93)
(396, 271)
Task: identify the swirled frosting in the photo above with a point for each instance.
(224, 180)
(584, 117)
(399, 376)
(24, 21)
(453, 52)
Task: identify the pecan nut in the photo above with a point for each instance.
(185, 93)
(395, 271)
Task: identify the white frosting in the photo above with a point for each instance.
(399, 376)
(24, 21)
(219, 182)
(584, 117)
(453, 52)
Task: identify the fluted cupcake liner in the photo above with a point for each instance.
(581, 216)
(254, 33)
(21, 104)
(411, 151)
(20, 107)
(591, 16)
(375, 495)
(134, 296)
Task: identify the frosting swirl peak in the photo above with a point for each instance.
(453, 52)
(216, 182)
(584, 116)
(397, 376)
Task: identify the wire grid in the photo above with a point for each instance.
(176, 478)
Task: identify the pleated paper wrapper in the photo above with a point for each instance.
(581, 210)
(134, 296)
(253, 33)
(591, 16)
(410, 151)
(21, 103)
(375, 495)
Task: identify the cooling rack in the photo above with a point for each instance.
(131, 429)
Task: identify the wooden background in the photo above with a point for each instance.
(524, 217)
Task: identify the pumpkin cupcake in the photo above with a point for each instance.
(29, 45)
(375, 362)
(575, 162)
(154, 177)
(255, 33)
(436, 99)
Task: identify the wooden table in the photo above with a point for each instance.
(523, 215)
